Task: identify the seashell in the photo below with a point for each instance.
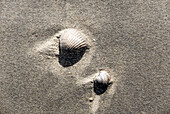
(71, 39)
(102, 78)
(91, 99)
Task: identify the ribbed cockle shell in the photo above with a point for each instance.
(102, 77)
(71, 39)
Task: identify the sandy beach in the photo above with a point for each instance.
(129, 38)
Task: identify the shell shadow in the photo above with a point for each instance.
(99, 88)
(70, 57)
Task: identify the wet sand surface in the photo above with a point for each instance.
(130, 38)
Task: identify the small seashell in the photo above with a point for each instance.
(71, 39)
(103, 77)
(91, 99)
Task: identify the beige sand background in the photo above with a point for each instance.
(129, 37)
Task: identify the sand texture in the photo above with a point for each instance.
(130, 38)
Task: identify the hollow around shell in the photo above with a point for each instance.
(72, 39)
(102, 77)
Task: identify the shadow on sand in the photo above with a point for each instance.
(70, 57)
(100, 88)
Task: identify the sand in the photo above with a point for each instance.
(130, 38)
